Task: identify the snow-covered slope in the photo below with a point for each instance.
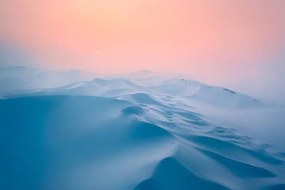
(79, 142)
(136, 132)
(217, 96)
(97, 87)
(210, 95)
(61, 142)
(189, 90)
(178, 87)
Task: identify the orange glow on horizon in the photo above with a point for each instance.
(179, 36)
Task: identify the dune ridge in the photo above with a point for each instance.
(172, 151)
(132, 132)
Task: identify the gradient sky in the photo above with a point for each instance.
(236, 43)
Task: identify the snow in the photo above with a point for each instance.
(138, 131)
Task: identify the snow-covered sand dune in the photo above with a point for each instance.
(79, 142)
(128, 133)
(61, 142)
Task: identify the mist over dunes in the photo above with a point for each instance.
(142, 95)
(135, 131)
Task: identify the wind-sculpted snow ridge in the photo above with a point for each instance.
(138, 132)
(60, 142)
(97, 87)
(189, 90)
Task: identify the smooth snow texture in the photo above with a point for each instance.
(139, 132)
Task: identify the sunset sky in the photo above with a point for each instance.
(236, 43)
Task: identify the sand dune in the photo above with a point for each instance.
(139, 132)
(80, 142)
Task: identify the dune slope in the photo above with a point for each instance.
(81, 142)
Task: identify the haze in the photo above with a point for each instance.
(237, 44)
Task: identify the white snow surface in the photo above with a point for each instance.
(136, 131)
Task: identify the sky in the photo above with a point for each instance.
(235, 43)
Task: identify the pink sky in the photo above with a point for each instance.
(208, 39)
